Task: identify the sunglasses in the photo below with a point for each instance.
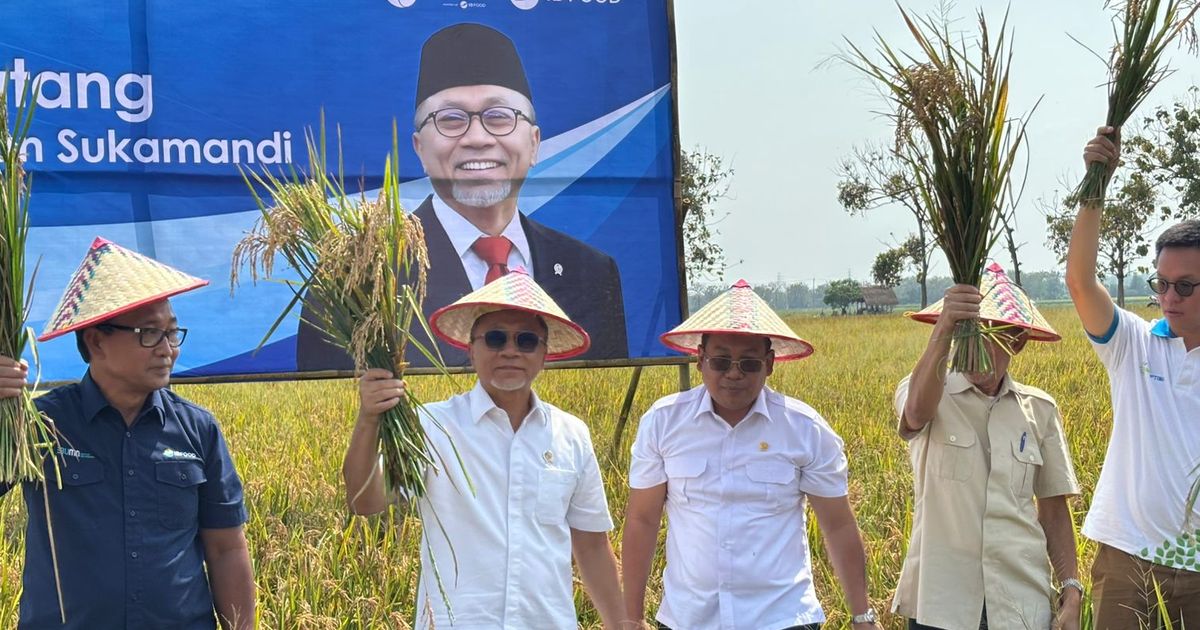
(525, 340)
(747, 366)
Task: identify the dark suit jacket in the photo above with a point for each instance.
(588, 290)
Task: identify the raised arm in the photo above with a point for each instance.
(1092, 301)
(929, 375)
(378, 391)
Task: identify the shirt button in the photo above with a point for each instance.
(129, 434)
(133, 555)
(130, 472)
(183, 476)
(953, 438)
(132, 513)
(75, 475)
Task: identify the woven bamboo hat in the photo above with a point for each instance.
(112, 280)
(738, 311)
(1003, 303)
(513, 291)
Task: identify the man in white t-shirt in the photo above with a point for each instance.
(734, 463)
(1149, 545)
(501, 554)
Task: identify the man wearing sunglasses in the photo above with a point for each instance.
(476, 134)
(1138, 513)
(991, 477)
(503, 552)
(147, 524)
(734, 464)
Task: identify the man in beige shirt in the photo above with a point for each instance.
(982, 447)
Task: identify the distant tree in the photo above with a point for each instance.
(704, 183)
(840, 294)
(874, 176)
(799, 295)
(889, 267)
(1130, 216)
(1167, 152)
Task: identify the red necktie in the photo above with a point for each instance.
(494, 251)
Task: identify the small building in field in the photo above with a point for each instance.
(878, 299)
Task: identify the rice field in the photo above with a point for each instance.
(317, 567)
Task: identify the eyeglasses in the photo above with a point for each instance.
(747, 366)
(453, 122)
(151, 337)
(1183, 287)
(525, 340)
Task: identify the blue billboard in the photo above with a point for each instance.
(548, 122)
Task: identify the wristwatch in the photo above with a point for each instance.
(867, 617)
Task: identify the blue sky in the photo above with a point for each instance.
(750, 90)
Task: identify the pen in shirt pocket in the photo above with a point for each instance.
(1023, 435)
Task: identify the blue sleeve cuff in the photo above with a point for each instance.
(1112, 329)
(223, 516)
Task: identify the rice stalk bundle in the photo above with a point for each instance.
(26, 436)
(950, 111)
(1136, 66)
(363, 262)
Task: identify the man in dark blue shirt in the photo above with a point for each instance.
(148, 522)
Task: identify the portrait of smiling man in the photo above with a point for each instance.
(477, 137)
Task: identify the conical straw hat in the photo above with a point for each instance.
(112, 280)
(512, 291)
(738, 311)
(1003, 303)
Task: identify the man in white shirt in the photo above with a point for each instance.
(734, 463)
(1148, 540)
(501, 555)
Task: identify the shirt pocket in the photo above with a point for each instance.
(774, 483)
(555, 488)
(76, 473)
(955, 454)
(683, 478)
(178, 493)
(1027, 463)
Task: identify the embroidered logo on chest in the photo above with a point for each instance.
(1151, 375)
(172, 454)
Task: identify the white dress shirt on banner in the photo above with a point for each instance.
(463, 234)
(512, 538)
(737, 541)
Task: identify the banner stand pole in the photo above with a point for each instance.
(626, 406)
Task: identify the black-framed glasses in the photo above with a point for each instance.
(525, 340)
(1183, 287)
(151, 337)
(747, 366)
(454, 122)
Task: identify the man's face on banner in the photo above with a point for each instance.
(477, 169)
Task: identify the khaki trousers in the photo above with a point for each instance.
(1123, 596)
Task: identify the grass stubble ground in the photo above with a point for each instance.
(318, 567)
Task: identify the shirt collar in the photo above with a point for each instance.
(1162, 329)
(759, 407)
(94, 401)
(481, 404)
(957, 383)
(463, 233)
